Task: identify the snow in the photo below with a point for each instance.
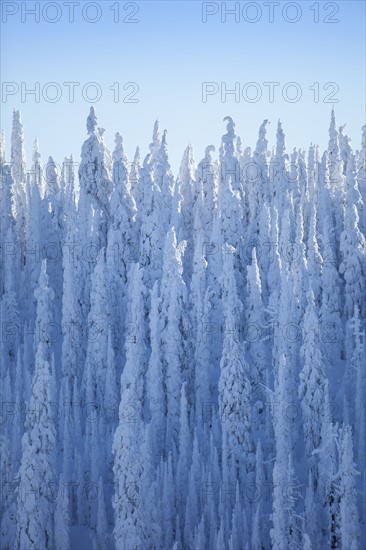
(185, 354)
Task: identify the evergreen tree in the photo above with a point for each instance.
(174, 336)
(349, 519)
(202, 337)
(313, 385)
(128, 438)
(152, 230)
(18, 172)
(35, 511)
(234, 387)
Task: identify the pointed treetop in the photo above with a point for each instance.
(229, 137)
(163, 152)
(262, 143)
(227, 149)
(118, 152)
(51, 163)
(333, 146)
(17, 119)
(187, 166)
(156, 132)
(137, 156)
(155, 145)
(68, 175)
(91, 122)
(332, 118)
(230, 127)
(311, 155)
(17, 148)
(118, 140)
(52, 186)
(188, 154)
(163, 141)
(209, 149)
(280, 143)
(36, 174)
(263, 127)
(36, 148)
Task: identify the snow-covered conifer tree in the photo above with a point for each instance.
(18, 171)
(152, 230)
(174, 336)
(128, 438)
(173, 345)
(35, 511)
(312, 386)
(349, 519)
(234, 387)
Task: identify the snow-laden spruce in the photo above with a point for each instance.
(183, 358)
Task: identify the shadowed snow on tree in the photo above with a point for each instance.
(183, 355)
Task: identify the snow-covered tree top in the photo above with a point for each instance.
(36, 154)
(17, 148)
(229, 138)
(91, 122)
(52, 187)
(169, 291)
(187, 167)
(120, 164)
(68, 178)
(163, 152)
(17, 121)
(137, 155)
(118, 153)
(155, 145)
(209, 149)
(230, 127)
(333, 146)
(262, 143)
(36, 171)
(280, 141)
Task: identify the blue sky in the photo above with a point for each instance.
(169, 53)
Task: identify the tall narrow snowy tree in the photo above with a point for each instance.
(128, 438)
(35, 513)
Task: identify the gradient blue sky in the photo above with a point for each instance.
(169, 53)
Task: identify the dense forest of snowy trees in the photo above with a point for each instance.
(183, 358)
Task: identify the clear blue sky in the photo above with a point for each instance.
(169, 53)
